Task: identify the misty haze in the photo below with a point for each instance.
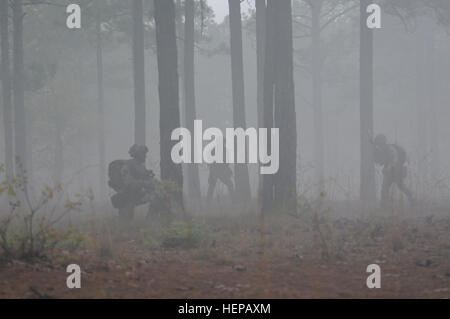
(225, 149)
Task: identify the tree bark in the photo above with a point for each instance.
(367, 170)
(179, 24)
(59, 151)
(260, 6)
(316, 10)
(139, 73)
(285, 115)
(6, 91)
(189, 93)
(433, 113)
(421, 116)
(19, 99)
(269, 86)
(168, 87)
(100, 106)
(237, 70)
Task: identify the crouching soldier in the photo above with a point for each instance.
(132, 181)
(393, 159)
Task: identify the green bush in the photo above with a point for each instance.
(28, 230)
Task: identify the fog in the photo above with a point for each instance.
(91, 93)
(406, 108)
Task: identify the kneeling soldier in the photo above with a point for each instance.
(132, 181)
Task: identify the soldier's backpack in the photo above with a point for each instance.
(115, 175)
(401, 153)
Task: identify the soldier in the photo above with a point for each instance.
(392, 158)
(222, 172)
(132, 181)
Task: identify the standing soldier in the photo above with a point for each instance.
(392, 158)
(222, 172)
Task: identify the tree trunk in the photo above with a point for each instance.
(100, 107)
(433, 113)
(285, 115)
(237, 70)
(6, 89)
(168, 87)
(422, 115)
(268, 92)
(367, 173)
(19, 99)
(316, 9)
(179, 24)
(260, 6)
(189, 94)
(139, 73)
(59, 152)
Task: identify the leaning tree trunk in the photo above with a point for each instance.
(139, 73)
(285, 115)
(168, 87)
(237, 70)
(19, 99)
(100, 106)
(6, 89)
(260, 6)
(367, 173)
(316, 9)
(189, 93)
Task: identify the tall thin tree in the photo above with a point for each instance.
(100, 100)
(6, 89)
(59, 145)
(19, 98)
(168, 87)
(237, 73)
(432, 89)
(284, 99)
(139, 73)
(367, 170)
(279, 104)
(316, 10)
(268, 94)
(260, 6)
(189, 92)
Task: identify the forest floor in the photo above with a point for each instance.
(316, 255)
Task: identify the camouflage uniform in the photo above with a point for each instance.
(393, 160)
(220, 172)
(137, 184)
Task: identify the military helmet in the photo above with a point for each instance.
(135, 150)
(380, 139)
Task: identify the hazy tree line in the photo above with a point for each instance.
(178, 33)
